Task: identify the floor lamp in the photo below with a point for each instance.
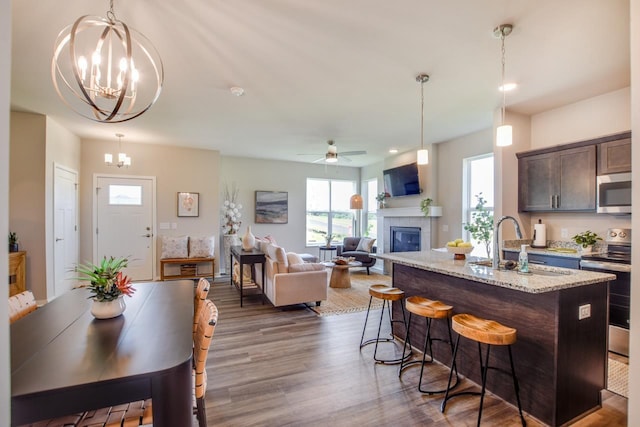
(356, 203)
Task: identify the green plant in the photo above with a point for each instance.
(586, 238)
(106, 281)
(481, 225)
(381, 196)
(425, 204)
(13, 238)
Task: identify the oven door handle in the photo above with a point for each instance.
(609, 266)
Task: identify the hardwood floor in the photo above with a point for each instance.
(275, 367)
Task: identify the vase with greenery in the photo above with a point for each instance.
(107, 285)
(382, 198)
(13, 242)
(425, 204)
(586, 239)
(481, 225)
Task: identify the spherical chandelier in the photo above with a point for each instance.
(105, 70)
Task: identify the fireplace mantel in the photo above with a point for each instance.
(412, 211)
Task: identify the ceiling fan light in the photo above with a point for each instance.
(504, 136)
(331, 157)
(423, 156)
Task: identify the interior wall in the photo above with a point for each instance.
(27, 197)
(176, 170)
(251, 175)
(5, 80)
(602, 115)
(449, 181)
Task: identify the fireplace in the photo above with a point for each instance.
(405, 239)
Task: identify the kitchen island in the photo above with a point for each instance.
(561, 350)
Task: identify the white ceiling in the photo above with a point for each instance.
(315, 70)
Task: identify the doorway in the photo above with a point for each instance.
(65, 220)
(124, 218)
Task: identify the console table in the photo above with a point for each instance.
(251, 258)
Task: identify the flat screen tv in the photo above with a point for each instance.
(402, 180)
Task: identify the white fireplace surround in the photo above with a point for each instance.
(404, 217)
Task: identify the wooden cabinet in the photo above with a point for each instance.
(614, 156)
(558, 180)
(17, 272)
(189, 268)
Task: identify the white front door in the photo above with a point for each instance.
(124, 222)
(65, 247)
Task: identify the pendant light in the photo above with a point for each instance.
(105, 70)
(123, 159)
(423, 153)
(504, 133)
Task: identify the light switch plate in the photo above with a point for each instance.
(164, 226)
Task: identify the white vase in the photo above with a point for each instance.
(228, 240)
(108, 309)
(248, 240)
(586, 249)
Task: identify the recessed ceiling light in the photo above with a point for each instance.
(507, 87)
(237, 91)
(393, 150)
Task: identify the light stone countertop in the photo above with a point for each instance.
(542, 279)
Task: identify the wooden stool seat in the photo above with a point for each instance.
(428, 308)
(482, 330)
(385, 292)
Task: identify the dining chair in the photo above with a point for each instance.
(201, 293)
(20, 305)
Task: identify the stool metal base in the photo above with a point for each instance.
(428, 346)
(378, 340)
(484, 368)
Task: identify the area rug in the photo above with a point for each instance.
(353, 299)
(618, 378)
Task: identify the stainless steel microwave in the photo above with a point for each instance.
(614, 193)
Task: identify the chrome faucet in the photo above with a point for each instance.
(496, 239)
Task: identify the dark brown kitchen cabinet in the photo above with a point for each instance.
(614, 156)
(560, 180)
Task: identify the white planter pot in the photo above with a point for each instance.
(108, 309)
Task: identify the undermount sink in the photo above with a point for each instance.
(532, 271)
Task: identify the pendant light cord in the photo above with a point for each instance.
(504, 92)
(422, 114)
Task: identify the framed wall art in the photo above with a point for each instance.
(188, 204)
(272, 207)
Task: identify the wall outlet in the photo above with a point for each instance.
(564, 233)
(584, 311)
(174, 226)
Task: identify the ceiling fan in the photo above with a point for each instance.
(331, 156)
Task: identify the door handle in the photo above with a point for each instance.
(146, 235)
(58, 239)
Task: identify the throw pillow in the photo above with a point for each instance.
(365, 245)
(278, 254)
(293, 258)
(307, 266)
(201, 247)
(175, 247)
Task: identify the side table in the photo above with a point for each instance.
(322, 252)
(243, 257)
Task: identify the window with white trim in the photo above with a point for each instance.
(328, 210)
(477, 180)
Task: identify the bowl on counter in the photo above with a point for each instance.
(459, 252)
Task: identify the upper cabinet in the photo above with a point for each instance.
(563, 180)
(614, 156)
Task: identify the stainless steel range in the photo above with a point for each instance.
(617, 260)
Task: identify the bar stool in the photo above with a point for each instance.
(387, 294)
(487, 332)
(430, 310)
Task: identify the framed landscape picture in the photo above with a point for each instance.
(272, 207)
(188, 204)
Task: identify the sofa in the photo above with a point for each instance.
(290, 280)
(359, 248)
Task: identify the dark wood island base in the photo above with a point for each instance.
(560, 361)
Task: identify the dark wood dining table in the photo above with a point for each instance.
(63, 361)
